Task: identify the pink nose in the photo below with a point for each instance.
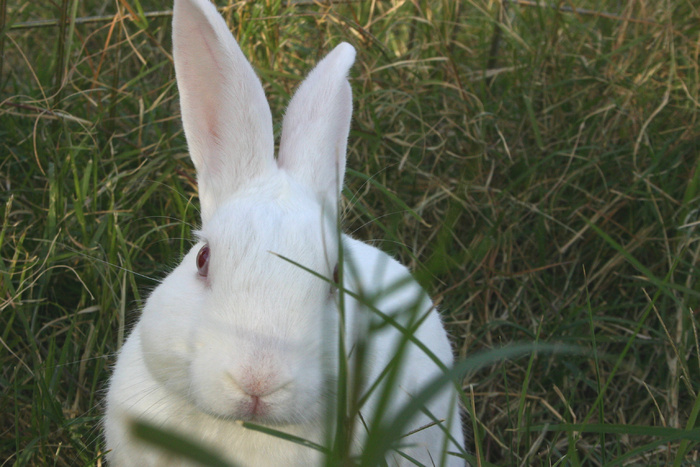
(259, 383)
(258, 386)
(255, 387)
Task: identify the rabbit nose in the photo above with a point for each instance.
(258, 385)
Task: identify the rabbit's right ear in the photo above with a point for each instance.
(316, 126)
(225, 114)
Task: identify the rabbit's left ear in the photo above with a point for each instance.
(225, 113)
(316, 126)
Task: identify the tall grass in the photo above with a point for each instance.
(536, 166)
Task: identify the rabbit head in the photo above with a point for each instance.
(237, 328)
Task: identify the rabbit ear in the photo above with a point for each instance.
(225, 114)
(316, 125)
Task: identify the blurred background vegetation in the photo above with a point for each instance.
(536, 164)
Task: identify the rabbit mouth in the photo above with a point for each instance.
(254, 409)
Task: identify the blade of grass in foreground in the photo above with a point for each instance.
(185, 447)
(691, 423)
(176, 444)
(377, 445)
(283, 435)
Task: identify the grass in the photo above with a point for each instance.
(537, 167)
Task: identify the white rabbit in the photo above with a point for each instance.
(238, 332)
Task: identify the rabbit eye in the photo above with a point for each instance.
(203, 261)
(335, 279)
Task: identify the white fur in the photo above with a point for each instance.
(256, 339)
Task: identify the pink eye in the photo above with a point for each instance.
(335, 279)
(203, 261)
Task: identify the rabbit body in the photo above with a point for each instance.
(238, 331)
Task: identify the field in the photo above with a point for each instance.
(536, 165)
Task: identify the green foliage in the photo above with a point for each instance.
(536, 167)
